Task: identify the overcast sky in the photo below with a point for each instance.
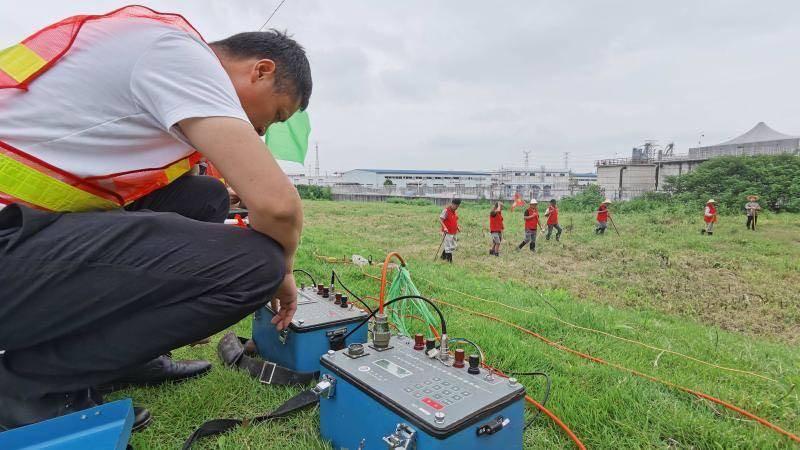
(470, 85)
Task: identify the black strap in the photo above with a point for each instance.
(299, 402)
(232, 353)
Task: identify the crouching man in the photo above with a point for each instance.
(110, 254)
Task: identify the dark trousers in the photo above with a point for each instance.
(751, 222)
(550, 231)
(86, 296)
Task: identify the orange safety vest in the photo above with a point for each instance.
(450, 221)
(533, 222)
(713, 214)
(31, 181)
(496, 222)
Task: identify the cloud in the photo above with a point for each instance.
(469, 85)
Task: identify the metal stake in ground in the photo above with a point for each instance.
(436, 255)
(614, 225)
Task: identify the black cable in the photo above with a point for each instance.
(336, 276)
(309, 275)
(546, 391)
(270, 16)
(397, 299)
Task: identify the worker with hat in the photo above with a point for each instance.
(531, 218)
(710, 217)
(449, 221)
(602, 217)
(752, 208)
(111, 252)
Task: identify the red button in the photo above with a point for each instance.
(432, 403)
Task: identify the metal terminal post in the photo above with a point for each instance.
(444, 354)
(403, 438)
(380, 332)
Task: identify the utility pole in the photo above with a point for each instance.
(566, 160)
(316, 163)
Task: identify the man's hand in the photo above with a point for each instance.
(286, 296)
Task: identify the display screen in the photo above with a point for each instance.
(392, 368)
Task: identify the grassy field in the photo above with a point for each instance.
(731, 300)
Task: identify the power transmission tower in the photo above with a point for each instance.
(566, 160)
(526, 157)
(316, 163)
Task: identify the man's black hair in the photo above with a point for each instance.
(456, 201)
(553, 201)
(292, 70)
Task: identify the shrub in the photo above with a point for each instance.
(310, 192)
(729, 179)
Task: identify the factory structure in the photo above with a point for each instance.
(501, 184)
(650, 164)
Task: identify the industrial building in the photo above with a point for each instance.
(649, 165)
(415, 178)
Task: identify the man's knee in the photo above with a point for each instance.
(216, 193)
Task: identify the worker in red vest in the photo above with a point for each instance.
(710, 217)
(602, 217)
(552, 220)
(111, 252)
(531, 218)
(449, 221)
(496, 228)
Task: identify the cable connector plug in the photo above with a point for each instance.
(494, 426)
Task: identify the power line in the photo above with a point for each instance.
(270, 16)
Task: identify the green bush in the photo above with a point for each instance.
(588, 200)
(729, 179)
(309, 192)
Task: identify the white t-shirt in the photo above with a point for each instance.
(111, 103)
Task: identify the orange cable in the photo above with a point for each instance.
(698, 394)
(541, 408)
(632, 341)
(384, 274)
(558, 421)
(702, 395)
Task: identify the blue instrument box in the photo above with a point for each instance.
(316, 323)
(107, 426)
(401, 398)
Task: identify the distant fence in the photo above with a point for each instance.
(442, 194)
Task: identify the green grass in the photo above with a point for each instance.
(730, 299)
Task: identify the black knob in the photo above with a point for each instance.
(343, 302)
(474, 362)
(430, 344)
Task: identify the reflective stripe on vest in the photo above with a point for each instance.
(28, 180)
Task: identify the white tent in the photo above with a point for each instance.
(760, 140)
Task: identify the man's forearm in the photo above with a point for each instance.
(285, 230)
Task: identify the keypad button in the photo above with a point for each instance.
(466, 394)
(437, 379)
(428, 382)
(408, 389)
(446, 383)
(418, 386)
(437, 396)
(456, 397)
(417, 394)
(427, 391)
(447, 402)
(437, 387)
(446, 392)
